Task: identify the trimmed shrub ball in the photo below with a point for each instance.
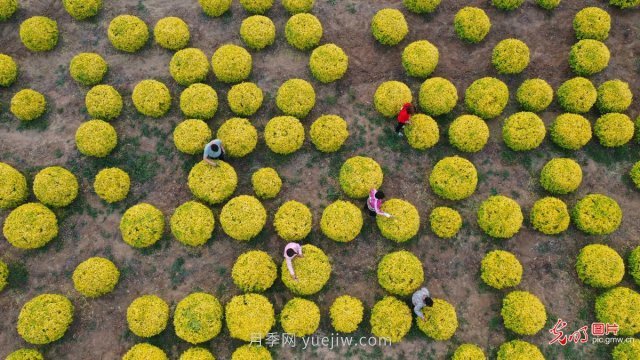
(548, 4)
(128, 33)
(254, 271)
(82, 9)
(624, 4)
(404, 222)
(30, 226)
(25, 354)
(328, 63)
(614, 96)
(231, 63)
(592, 23)
(39, 33)
(296, 97)
(468, 133)
(96, 138)
(390, 319)
(328, 133)
(284, 135)
(500, 217)
(571, 131)
(293, 221)
(249, 316)
(634, 264)
(360, 174)
(561, 176)
(103, 102)
(445, 222)
(243, 217)
(523, 313)
(112, 184)
(7, 9)
(215, 8)
(303, 31)
(55, 186)
(258, 32)
(300, 317)
(199, 101)
(172, 33)
(500, 269)
(87, 68)
(624, 351)
(238, 136)
(190, 136)
(151, 98)
(8, 70)
(28, 105)
(145, 351)
(487, 97)
(468, 352)
(510, 56)
(312, 270)
(95, 277)
(198, 318)
(634, 173)
(192, 223)
(390, 96)
(4, 275)
(389, 27)
(614, 129)
(341, 221)
(298, 6)
(245, 98)
(421, 6)
(400, 273)
(251, 352)
(577, 95)
(197, 353)
(597, 214)
(256, 6)
(45, 318)
(189, 66)
(599, 266)
(420, 58)
(438, 96)
(523, 131)
(519, 350)
(142, 225)
(454, 178)
(620, 306)
(147, 316)
(550, 216)
(534, 95)
(440, 321)
(13, 188)
(346, 314)
(471, 24)
(422, 132)
(212, 184)
(266, 183)
(507, 5)
(588, 57)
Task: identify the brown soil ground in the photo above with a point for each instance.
(159, 174)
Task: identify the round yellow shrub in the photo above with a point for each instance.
(238, 136)
(519, 350)
(103, 102)
(389, 27)
(510, 56)
(245, 98)
(13, 188)
(254, 271)
(192, 223)
(422, 132)
(561, 176)
(592, 23)
(487, 97)
(523, 131)
(624, 4)
(95, 277)
(293, 221)
(548, 4)
(400, 273)
(440, 321)
(328, 63)
(191, 136)
(8, 70)
(454, 178)
(500, 217)
(96, 138)
(55, 186)
(624, 351)
(284, 135)
(534, 95)
(30, 226)
(4, 275)
(328, 133)
(82, 9)
(303, 31)
(266, 183)
(251, 352)
(198, 318)
(87, 68)
(588, 57)
(468, 133)
(145, 351)
(45, 318)
(390, 319)
(249, 316)
(256, 6)
(215, 8)
(468, 352)
(614, 129)
(634, 173)
(577, 95)
(25, 354)
(258, 32)
(212, 184)
(341, 221)
(172, 33)
(39, 33)
(28, 105)
(500, 269)
(128, 33)
(300, 317)
(7, 9)
(404, 222)
(571, 131)
(445, 222)
(147, 316)
(360, 174)
(507, 5)
(421, 6)
(420, 58)
(614, 96)
(312, 270)
(298, 6)
(151, 98)
(390, 96)
(550, 216)
(231, 63)
(197, 353)
(296, 97)
(523, 313)
(621, 306)
(471, 24)
(199, 101)
(142, 225)
(243, 217)
(599, 266)
(438, 96)
(346, 314)
(597, 214)
(189, 66)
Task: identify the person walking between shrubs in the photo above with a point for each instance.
(404, 117)
(291, 251)
(213, 151)
(420, 299)
(374, 202)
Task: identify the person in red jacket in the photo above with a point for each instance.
(404, 117)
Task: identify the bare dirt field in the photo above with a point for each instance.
(89, 227)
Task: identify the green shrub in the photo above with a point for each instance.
(198, 318)
(212, 184)
(468, 133)
(245, 98)
(25, 354)
(420, 58)
(471, 24)
(96, 138)
(8, 70)
(523, 131)
(296, 97)
(95, 277)
(534, 95)
(266, 183)
(597, 214)
(251, 352)
(621, 306)
(510, 56)
(7, 9)
(191, 136)
(328, 133)
(112, 184)
(82, 9)
(599, 266)
(328, 63)
(468, 352)
(293, 221)
(341, 221)
(189, 66)
(13, 188)
(39, 33)
(614, 129)
(151, 98)
(28, 105)
(507, 5)
(501, 269)
(346, 314)
(45, 318)
(192, 223)
(634, 264)
(390, 319)
(624, 4)
(145, 351)
(390, 96)
(571, 131)
(577, 95)
(523, 313)
(128, 33)
(561, 176)
(254, 271)
(199, 101)
(284, 135)
(422, 132)
(298, 6)
(400, 273)
(487, 97)
(404, 222)
(55, 186)
(550, 216)
(238, 136)
(438, 96)
(30, 226)
(421, 6)
(588, 57)
(454, 178)
(360, 174)
(243, 217)
(142, 225)
(256, 6)
(519, 350)
(86, 68)
(215, 8)
(440, 320)
(389, 27)
(592, 23)
(445, 222)
(103, 102)
(258, 32)
(231, 63)
(313, 270)
(548, 4)
(197, 353)
(147, 316)
(614, 96)
(172, 33)
(500, 217)
(249, 317)
(303, 31)
(624, 351)
(300, 317)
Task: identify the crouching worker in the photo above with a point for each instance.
(213, 151)
(404, 117)
(291, 251)
(420, 299)
(374, 202)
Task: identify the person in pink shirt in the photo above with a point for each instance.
(291, 251)
(374, 202)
